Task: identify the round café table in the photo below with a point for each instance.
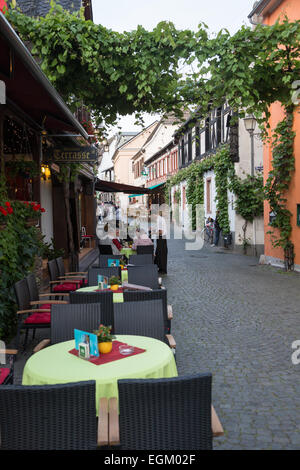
(55, 365)
(117, 296)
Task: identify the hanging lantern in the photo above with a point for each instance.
(3, 6)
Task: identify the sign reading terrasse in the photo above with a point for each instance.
(72, 155)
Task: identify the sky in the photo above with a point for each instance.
(125, 15)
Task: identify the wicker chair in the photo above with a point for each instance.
(65, 318)
(44, 300)
(140, 260)
(145, 318)
(138, 296)
(105, 249)
(59, 285)
(146, 275)
(28, 317)
(78, 276)
(7, 366)
(104, 298)
(108, 272)
(51, 417)
(145, 249)
(164, 414)
(103, 260)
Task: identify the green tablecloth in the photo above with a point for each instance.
(55, 365)
(117, 296)
(127, 252)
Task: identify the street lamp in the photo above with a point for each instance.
(250, 124)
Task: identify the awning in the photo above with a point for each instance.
(112, 187)
(151, 188)
(28, 89)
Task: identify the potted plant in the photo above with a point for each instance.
(104, 339)
(114, 282)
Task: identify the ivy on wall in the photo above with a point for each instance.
(20, 243)
(248, 190)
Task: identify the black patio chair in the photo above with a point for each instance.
(93, 274)
(69, 275)
(105, 249)
(60, 285)
(141, 260)
(65, 318)
(50, 417)
(145, 249)
(144, 318)
(164, 414)
(103, 260)
(28, 317)
(146, 275)
(138, 296)
(105, 299)
(44, 300)
(7, 357)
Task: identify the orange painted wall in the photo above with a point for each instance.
(290, 8)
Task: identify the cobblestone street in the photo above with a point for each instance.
(238, 320)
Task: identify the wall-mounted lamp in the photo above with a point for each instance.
(46, 173)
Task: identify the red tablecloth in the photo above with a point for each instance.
(114, 355)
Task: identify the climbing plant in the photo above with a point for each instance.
(135, 72)
(19, 246)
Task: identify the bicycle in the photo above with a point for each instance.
(207, 234)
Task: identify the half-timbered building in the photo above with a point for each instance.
(200, 137)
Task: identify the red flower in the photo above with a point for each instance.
(10, 210)
(3, 211)
(43, 210)
(7, 204)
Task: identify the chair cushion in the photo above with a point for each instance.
(4, 372)
(46, 306)
(44, 317)
(65, 287)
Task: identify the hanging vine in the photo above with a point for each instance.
(277, 185)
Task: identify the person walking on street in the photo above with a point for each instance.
(217, 230)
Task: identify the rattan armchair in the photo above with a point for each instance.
(28, 317)
(142, 318)
(138, 296)
(141, 260)
(52, 417)
(105, 298)
(146, 275)
(79, 276)
(93, 274)
(164, 414)
(58, 285)
(65, 318)
(103, 260)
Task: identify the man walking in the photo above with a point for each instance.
(217, 230)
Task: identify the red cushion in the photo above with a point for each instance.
(4, 372)
(46, 306)
(39, 318)
(66, 287)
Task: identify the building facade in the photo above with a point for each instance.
(267, 12)
(200, 138)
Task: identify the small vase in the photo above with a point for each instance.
(105, 348)
(114, 287)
